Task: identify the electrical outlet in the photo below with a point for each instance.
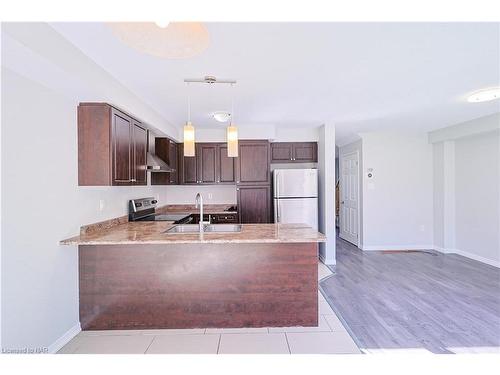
(209, 196)
(101, 205)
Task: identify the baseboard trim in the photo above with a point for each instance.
(323, 260)
(466, 254)
(398, 247)
(64, 339)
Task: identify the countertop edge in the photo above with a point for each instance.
(70, 242)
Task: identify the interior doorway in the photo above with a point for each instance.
(349, 197)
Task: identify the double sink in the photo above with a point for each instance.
(207, 228)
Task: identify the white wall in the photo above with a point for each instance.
(477, 194)
(185, 194)
(259, 131)
(326, 184)
(310, 134)
(41, 202)
(438, 196)
(467, 189)
(398, 199)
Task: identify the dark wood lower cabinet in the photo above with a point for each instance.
(198, 285)
(228, 218)
(254, 204)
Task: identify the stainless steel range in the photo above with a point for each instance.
(144, 209)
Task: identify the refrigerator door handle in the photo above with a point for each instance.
(277, 196)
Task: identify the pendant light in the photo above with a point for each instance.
(189, 132)
(232, 132)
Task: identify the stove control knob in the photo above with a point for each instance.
(154, 201)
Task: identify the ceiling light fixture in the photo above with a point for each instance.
(221, 116)
(232, 130)
(170, 40)
(189, 131)
(484, 95)
(162, 24)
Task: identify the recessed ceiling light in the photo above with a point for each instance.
(221, 116)
(484, 95)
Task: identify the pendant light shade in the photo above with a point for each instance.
(232, 141)
(188, 139)
(232, 132)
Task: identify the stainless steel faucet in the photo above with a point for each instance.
(199, 203)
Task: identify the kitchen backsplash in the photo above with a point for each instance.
(185, 194)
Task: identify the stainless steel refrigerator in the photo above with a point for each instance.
(295, 193)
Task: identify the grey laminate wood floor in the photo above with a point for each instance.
(416, 301)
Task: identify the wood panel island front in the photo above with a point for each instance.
(135, 276)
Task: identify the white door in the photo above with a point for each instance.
(297, 211)
(349, 196)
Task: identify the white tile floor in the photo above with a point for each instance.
(330, 337)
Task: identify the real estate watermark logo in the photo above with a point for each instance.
(39, 350)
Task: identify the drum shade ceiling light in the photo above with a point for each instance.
(221, 116)
(169, 40)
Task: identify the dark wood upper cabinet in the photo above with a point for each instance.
(122, 148)
(253, 163)
(173, 162)
(226, 166)
(206, 163)
(305, 152)
(254, 204)
(209, 166)
(140, 145)
(294, 152)
(111, 147)
(187, 168)
(281, 152)
(166, 149)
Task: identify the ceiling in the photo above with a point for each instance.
(358, 76)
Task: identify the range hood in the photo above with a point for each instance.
(153, 162)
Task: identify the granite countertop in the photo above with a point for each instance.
(153, 233)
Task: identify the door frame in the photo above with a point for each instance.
(341, 179)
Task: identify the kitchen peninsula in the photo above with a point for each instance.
(133, 275)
